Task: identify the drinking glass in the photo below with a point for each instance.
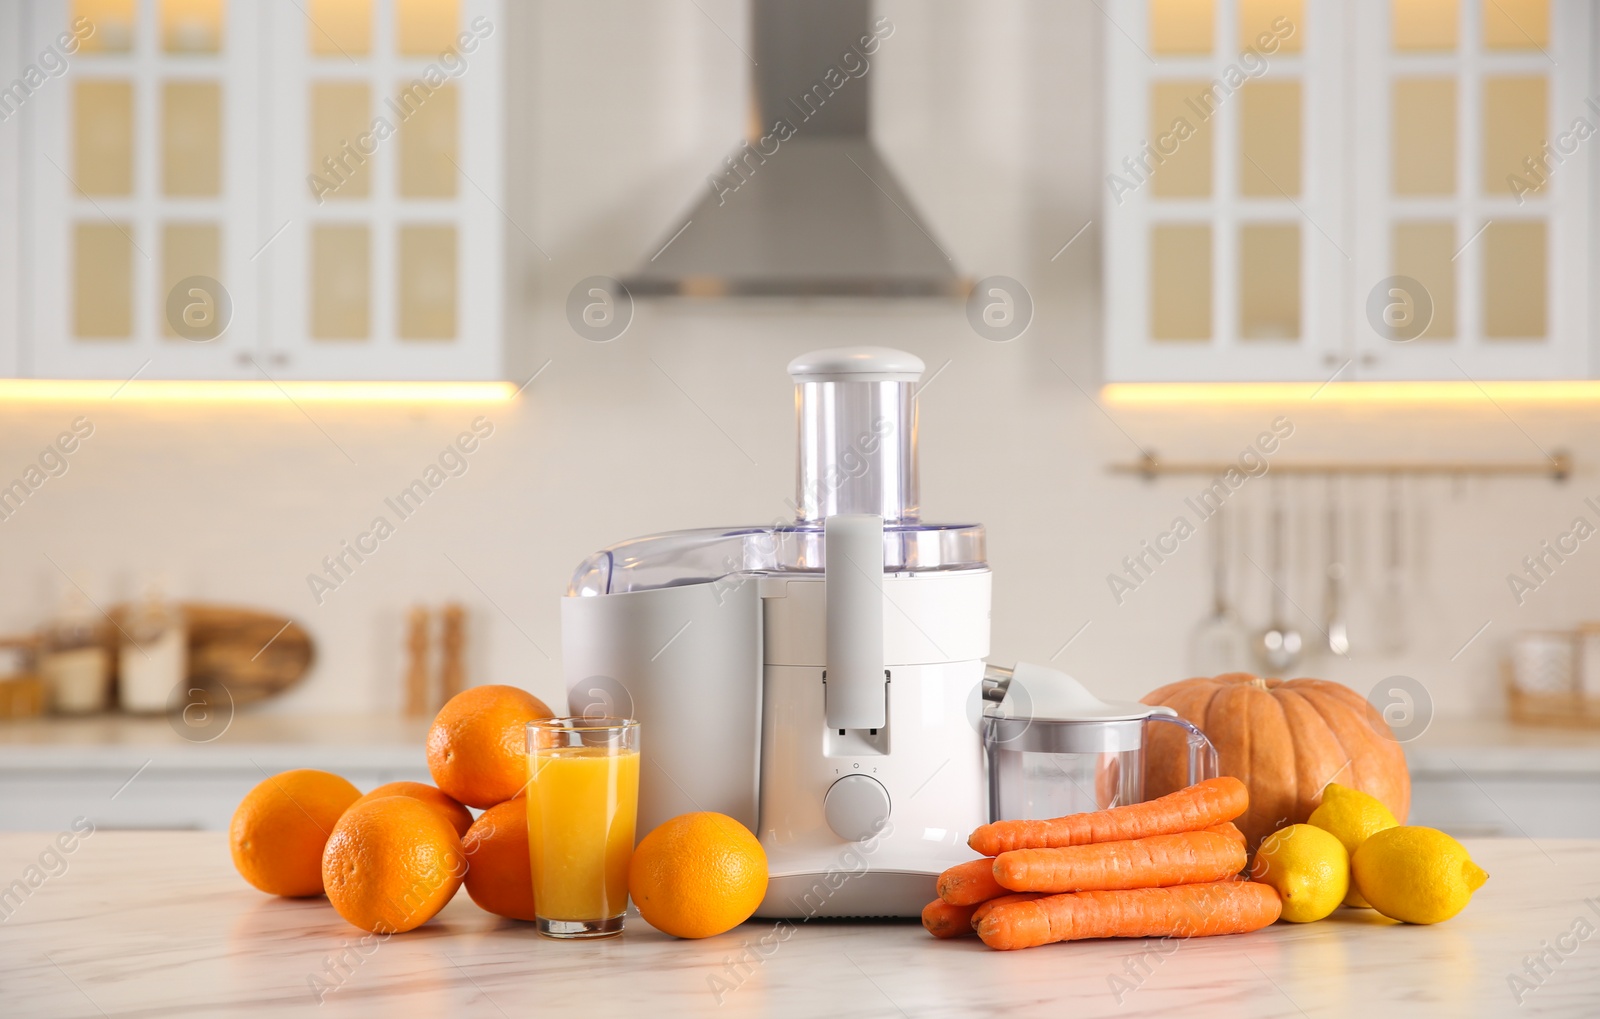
(583, 798)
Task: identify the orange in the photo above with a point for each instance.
(478, 745)
(278, 832)
(698, 875)
(391, 864)
(460, 817)
(499, 870)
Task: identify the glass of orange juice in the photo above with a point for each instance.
(583, 797)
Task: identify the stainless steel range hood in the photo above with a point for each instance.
(806, 207)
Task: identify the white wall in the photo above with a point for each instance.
(990, 115)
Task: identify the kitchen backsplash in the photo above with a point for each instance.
(244, 504)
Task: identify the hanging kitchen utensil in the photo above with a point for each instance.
(1219, 643)
(1336, 627)
(1278, 647)
(1391, 608)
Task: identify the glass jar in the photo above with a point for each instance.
(74, 661)
(153, 656)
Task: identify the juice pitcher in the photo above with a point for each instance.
(1053, 748)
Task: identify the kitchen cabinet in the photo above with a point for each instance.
(1477, 777)
(143, 772)
(1492, 778)
(169, 238)
(1511, 806)
(166, 796)
(1470, 777)
(162, 796)
(1374, 189)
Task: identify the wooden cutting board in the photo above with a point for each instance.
(252, 654)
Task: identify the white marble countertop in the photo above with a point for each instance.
(158, 924)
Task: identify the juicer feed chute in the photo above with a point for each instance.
(856, 426)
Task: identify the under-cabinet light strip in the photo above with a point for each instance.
(1130, 394)
(251, 391)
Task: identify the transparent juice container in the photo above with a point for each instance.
(1053, 748)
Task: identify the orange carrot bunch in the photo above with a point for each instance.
(1166, 867)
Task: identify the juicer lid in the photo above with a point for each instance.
(1038, 694)
(857, 364)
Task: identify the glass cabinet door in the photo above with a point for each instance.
(141, 201)
(1225, 241)
(387, 181)
(1474, 181)
(1381, 189)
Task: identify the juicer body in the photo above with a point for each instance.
(729, 683)
(859, 822)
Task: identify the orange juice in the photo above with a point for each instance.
(582, 803)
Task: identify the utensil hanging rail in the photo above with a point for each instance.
(1557, 468)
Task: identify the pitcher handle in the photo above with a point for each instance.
(1202, 755)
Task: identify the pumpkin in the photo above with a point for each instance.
(1285, 740)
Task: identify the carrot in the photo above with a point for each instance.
(1199, 806)
(984, 908)
(1217, 907)
(967, 884)
(1229, 829)
(1160, 860)
(946, 921)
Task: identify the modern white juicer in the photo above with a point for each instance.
(818, 680)
(822, 680)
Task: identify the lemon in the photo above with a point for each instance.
(1308, 867)
(1352, 817)
(1419, 875)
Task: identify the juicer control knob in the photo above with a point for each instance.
(856, 807)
